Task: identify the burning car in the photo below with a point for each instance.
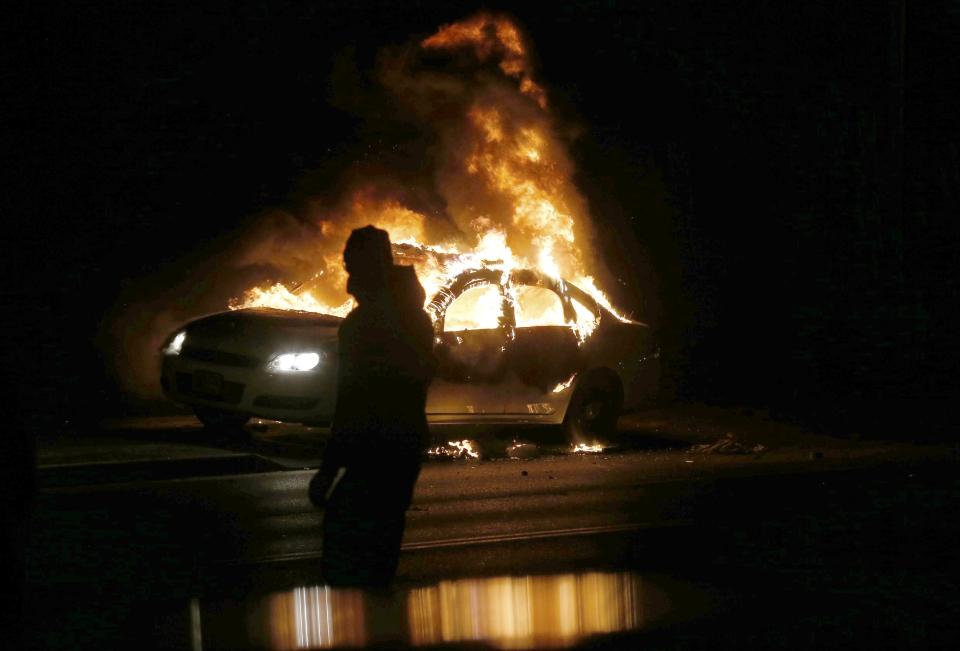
(514, 346)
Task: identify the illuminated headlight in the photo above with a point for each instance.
(173, 348)
(291, 362)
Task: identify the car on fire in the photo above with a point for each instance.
(541, 352)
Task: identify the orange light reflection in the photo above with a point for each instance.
(507, 612)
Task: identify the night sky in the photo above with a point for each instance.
(788, 171)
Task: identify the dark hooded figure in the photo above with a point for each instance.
(379, 428)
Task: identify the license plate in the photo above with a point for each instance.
(207, 383)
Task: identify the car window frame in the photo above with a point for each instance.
(565, 291)
(467, 280)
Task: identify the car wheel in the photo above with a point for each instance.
(217, 419)
(593, 412)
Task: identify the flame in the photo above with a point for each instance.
(589, 449)
(586, 322)
(456, 450)
(536, 306)
(587, 284)
(478, 308)
(465, 447)
(507, 183)
(563, 386)
(487, 35)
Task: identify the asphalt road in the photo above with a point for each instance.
(139, 530)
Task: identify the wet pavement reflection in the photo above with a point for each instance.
(526, 612)
(508, 612)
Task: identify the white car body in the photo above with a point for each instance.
(506, 373)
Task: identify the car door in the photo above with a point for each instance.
(471, 337)
(543, 354)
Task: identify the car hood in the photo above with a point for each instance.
(263, 333)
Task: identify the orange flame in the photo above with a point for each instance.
(456, 450)
(491, 36)
(504, 174)
(584, 448)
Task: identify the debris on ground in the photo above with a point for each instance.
(727, 445)
(523, 451)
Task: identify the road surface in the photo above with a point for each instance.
(161, 534)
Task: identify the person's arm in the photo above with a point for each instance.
(424, 339)
(335, 453)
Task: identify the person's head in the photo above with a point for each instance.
(368, 260)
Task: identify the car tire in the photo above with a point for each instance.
(219, 420)
(593, 412)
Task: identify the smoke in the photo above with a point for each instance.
(272, 245)
(489, 158)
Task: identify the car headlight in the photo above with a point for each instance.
(292, 362)
(174, 346)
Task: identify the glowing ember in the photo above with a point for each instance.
(589, 449)
(455, 450)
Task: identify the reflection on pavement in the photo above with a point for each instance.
(509, 612)
(525, 612)
(318, 617)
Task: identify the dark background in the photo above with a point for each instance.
(790, 169)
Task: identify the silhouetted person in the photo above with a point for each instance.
(379, 428)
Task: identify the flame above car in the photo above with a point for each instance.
(505, 175)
